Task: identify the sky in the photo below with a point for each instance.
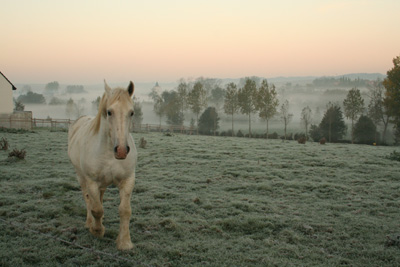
(86, 41)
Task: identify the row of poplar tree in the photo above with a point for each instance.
(249, 99)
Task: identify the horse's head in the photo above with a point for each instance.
(118, 112)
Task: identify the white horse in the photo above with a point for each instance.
(103, 152)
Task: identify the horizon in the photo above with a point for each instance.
(84, 42)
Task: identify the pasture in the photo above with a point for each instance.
(199, 200)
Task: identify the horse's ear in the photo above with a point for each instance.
(107, 88)
(131, 88)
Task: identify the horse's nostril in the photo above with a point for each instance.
(127, 149)
(116, 149)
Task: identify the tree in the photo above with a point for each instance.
(96, 103)
(247, 99)
(183, 96)
(56, 101)
(159, 104)
(71, 108)
(353, 107)
(197, 99)
(364, 130)
(267, 102)
(315, 133)
(208, 122)
(377, 111)
(74, 89)
(217, 96)
(171, 108)
(52, 88)
(332, 124)
(231, 104)
(80, 107)
(137, 112)
(306, 119)
(18, 106)
(31, 98)
(392, 95)
(285, 115)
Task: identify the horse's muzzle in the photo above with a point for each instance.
(121, 152)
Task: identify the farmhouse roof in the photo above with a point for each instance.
(13, 87)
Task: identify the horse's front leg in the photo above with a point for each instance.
(125, 191)
(89, 217)
(96, 208)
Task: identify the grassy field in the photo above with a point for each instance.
(217, 201)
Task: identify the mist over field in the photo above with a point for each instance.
(299, 91)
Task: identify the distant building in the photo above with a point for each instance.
(8, 117)
(157, 88)
(6, 92)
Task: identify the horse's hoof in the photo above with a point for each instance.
(124, 245)
(98, 232)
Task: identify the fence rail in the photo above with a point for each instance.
(65, 123)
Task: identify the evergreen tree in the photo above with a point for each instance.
(208, 122)
(364, 130)
(332, 124)
(315, 133)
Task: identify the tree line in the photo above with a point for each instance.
(250, 99)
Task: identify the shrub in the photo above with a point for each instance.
(302, 140)
(142, 143)
(394, 156)
(226, 133)
(19, 154)
(298, 136)
(3, 144)
(16, 131)
(274, 135)
(240, 134)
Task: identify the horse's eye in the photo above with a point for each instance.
(132, 113)
(109, 113)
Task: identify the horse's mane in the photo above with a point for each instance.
(116, 94)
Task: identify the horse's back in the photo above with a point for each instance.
(77, 125)
(76, 133)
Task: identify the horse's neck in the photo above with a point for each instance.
(104, 133)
